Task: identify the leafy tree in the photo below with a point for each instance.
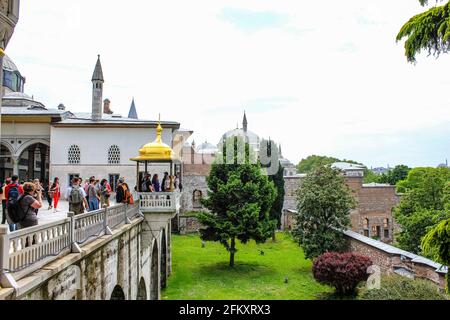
(277, 179)
(370, 176)
(309, 163)
(324, 202)
(422, 206)
(414, 227)
(395, 175)
(429, 31)
(437, 244)
(239, 199)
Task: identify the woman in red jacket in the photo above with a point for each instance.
(55, 192)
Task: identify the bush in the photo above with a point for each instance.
(396, 287)
(344, 271)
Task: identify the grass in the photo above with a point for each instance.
(203, 273)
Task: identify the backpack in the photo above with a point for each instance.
(75, 196)
(15, 210)
(105, 191)
(144, 186)
(13, 194)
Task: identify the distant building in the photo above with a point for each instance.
(380, 170)
(372, 216)
(443, 165)
(41, 142)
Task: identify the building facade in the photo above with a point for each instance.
(372, 217)
(44, 143)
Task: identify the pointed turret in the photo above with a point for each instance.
(98, 72)
(97, 91)
(132, 113)
(244, 122)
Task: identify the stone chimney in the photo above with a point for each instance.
(106, 107)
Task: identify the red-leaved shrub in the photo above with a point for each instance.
(344, 271)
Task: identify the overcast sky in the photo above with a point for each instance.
(321, 77)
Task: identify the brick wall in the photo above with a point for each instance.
(389, 259)
(374, 203)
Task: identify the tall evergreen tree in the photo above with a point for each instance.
(240, 197)
(271, 159)
(324, 204)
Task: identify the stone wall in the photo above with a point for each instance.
(393, 260)
(188, 224)
(192, 183)
(291, 184)
(127, 262)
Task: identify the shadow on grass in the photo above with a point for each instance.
(222, 269)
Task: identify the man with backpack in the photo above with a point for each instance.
(76, 196)
(12, 193)
(23, 210)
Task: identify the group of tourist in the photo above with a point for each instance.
(22, 201)
(169, 183)
(26, 198)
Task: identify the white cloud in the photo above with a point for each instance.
(333, 68)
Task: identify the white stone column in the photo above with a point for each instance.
(15, 161)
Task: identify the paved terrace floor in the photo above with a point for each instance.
(46, 216)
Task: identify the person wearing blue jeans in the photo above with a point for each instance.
(93, 196)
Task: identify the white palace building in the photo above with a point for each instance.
(41, 142)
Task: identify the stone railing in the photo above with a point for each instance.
(159, 201)
(25, 251)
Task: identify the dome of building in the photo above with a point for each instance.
(156, 150)
(17, 95)
(250, 137)
(207, 148)
(12, 79)
(9, 65)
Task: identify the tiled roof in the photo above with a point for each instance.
(393, 250)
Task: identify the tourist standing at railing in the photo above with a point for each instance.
(155, 183)
(76, 196)
(105, 193)
(176, 182)
(147, 184)
(164, 182)
(14, 190)
(86, 187)
(55, 192)
(123, 192)
(93, 197)
(30, 205)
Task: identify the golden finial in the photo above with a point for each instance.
(159, 129)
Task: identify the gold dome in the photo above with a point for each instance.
(156, 150)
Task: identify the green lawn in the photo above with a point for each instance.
(203, 273)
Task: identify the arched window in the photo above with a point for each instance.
(74, 155)
(366, 223)
(196, 196)
(114, 155)
(386, 222)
